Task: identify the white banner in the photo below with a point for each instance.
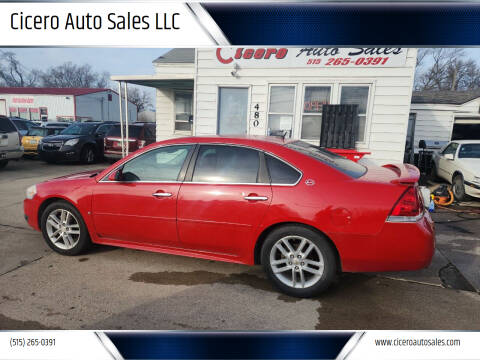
(311, 57)
(136, 24)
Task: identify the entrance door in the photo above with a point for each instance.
(3, 107)
(140, 206)
(232, 111)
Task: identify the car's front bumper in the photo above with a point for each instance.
(472, 189)
(63, 154)
(30, 211)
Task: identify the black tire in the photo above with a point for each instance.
(323, 246)
(83, 243)
(458, 188)
(3, 163)
(88, 155)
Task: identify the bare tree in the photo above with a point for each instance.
(14, 74)
(139, 97)
(448, 69)
(69, 75)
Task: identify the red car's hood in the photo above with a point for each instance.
(404, 174)
(80, 175)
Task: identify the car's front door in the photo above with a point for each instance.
(445, 166)
(223, 199)
(140, 205)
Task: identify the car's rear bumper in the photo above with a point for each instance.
(399, 246)
(11, 154)
(112, 155)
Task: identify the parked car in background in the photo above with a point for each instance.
(22, 125)
(56, 124)
(302, 212)
(139, 135)
(78, 142)
(10, 145)
(459, 164)
(34, 137)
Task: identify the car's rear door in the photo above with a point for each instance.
(224, 197)
(141, 206)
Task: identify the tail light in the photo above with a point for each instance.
(409, 207)
(140, 143)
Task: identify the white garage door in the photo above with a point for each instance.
(3, 107)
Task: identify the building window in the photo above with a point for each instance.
(314, 99)
(183, 111)
(34, 114)
(23, 113)
(281, 109)
(357, 95)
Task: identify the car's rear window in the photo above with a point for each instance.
(6, 125)
(133, 131)
(338, 162)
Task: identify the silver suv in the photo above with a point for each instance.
(10, 146)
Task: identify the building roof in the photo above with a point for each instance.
(444, 97)
(179, 55)
(49, 91)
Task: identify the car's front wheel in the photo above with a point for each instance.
(64, 229)
(88, 155)
(299, 261)
(458, 188)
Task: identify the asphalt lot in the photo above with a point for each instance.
(113, 288)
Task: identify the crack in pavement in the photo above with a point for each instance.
(23, 264)
(16, 227)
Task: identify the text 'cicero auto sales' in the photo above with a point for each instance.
(305, 57)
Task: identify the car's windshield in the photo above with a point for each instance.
(79, 129)
(469, 151)
(21, 125)
(338, 162)
(37, 131)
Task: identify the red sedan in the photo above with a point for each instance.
(302, 212)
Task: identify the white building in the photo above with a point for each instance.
(63, 104)
(444, 116)
(258, 91)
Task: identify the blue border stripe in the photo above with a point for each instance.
(230, 345)
(406, 24)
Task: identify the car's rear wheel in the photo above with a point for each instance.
(88, 155)
(458, 188)
(3, 163)
(299, 261)
(64, 229)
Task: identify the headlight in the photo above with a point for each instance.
(71, 142)
(31, 191)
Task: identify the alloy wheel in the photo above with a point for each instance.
(63, 229)
(297, 262)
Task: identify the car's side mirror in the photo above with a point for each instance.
(449, 156)
(115, 175)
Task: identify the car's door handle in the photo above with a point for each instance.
(162, 194)
(255, 198)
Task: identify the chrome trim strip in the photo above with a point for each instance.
(255, 198)
(105, 178)
(350, 346)
(108, 345)
(405, 219)
(207, 23)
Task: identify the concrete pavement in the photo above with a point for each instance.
(113, 288)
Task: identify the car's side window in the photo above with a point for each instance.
(280, 172)
(162, 164)
(103, 129)
(450, 149)
(226, 164)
